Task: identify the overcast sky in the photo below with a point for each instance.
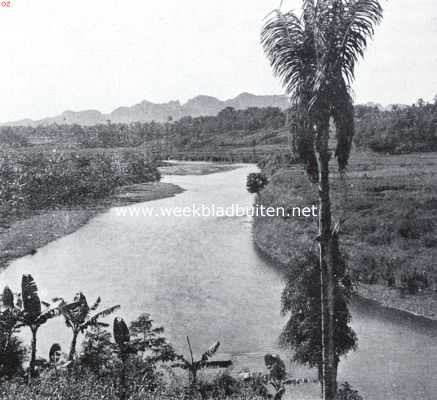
(101, 54)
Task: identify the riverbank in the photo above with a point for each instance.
(40, 227)
(37, 228)
(423, 304)
(389, 233)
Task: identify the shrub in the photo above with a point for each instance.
(12, 355)
(256, 182)
(345, 392)
(413, 227)
(414, 281)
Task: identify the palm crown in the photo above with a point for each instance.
(315, 56)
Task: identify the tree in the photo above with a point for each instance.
(277, 374)
(33, 313)
(97, 350)
(145, 337)
(315, 57)
(301, 299)
(78, 317)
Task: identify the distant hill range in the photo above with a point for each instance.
(147, 111)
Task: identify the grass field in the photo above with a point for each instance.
(388, 204)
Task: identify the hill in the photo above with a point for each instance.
(147, 111)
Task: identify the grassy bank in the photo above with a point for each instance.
(389, 233)
(40, 227)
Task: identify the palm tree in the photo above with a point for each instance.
(33, 313)
(78, 317)
(315, 57)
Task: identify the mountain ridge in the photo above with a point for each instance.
(146, 111)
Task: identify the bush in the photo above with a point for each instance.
(345, 392)
(12, 355)
(256, 182)
(414, 282)
(413, 227)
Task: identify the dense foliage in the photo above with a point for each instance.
(183, 133)
(255, 182)
(40, 179)
(132, 363)
(399, 129)
(403, 129)
(301, 302)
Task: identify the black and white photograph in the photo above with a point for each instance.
(218, 200)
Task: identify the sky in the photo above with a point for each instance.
(59, 55)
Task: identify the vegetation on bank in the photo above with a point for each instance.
(388, 205)
(402, 129)
(237, 135)
(135, 362)
(35, 180)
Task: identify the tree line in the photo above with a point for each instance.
(181, 133)
(402, 129)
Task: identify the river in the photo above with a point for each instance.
(202, 277)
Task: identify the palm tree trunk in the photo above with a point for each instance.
(73, 346)
(329, 367)
(123, 380)
(33, 352)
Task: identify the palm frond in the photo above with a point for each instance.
(94, 319)
(51, 312)
(284, 42)
(211, 351)
(96, 304)
(31, 300)
(359, 21)
(343, 115)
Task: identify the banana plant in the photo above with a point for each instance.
(8, 318)
(124, 347)
(78, 317)
(33, 313)
(194, 367)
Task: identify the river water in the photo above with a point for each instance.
(202, 277)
